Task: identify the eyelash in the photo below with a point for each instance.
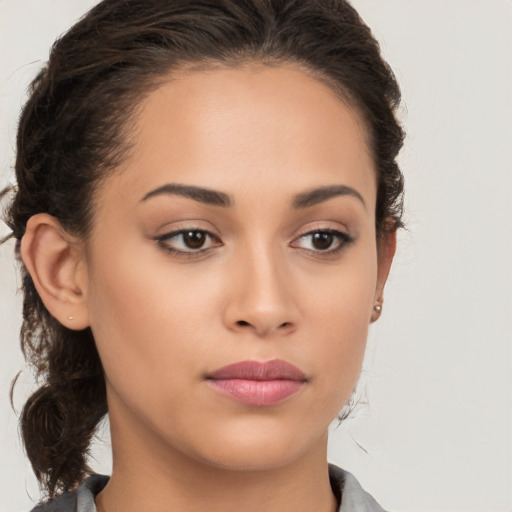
(343, 239)
(163, 241)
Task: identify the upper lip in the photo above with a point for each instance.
(260, 371)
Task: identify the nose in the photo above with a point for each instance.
(261, 297)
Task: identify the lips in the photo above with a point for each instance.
(258, 383)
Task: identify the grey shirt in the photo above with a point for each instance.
(344, 485)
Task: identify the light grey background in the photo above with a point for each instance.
(437, 434)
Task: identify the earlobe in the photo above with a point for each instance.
(386, 253)
(55, 264)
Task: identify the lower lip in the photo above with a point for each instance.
(257, 392)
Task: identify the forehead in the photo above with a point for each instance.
(252, 125)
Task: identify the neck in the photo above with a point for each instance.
(149, 475)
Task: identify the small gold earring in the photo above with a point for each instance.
(378, 308)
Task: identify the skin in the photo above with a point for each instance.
(165, 315)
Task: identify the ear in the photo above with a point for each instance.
(385, 253)
(56, 265)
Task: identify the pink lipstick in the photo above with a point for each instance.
(258, 383)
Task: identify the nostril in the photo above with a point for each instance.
(261, 328)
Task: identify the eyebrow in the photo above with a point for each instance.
(319, 195)
(202, 195)
(216, 198)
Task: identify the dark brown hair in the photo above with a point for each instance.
(75, 128)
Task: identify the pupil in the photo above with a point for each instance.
(322, 240)
(194, 239)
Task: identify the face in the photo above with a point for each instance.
(232, 267)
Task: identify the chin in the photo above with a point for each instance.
(258, 447)
(249, 460)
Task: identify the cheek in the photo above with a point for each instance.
(153, 322)
(343, 299)
(341, 310)
(139, 314)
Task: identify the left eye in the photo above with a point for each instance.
(188, 241)
(327, 241)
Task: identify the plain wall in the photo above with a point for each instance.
(437, 433)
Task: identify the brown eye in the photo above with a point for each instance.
(326, 242)
(322, 240)
(194, 239)
(188, 241)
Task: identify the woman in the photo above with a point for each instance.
(207, 202)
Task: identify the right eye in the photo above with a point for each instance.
(323, 241)
(188, 241)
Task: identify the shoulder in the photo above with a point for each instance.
(353, 497)
(79, 500)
